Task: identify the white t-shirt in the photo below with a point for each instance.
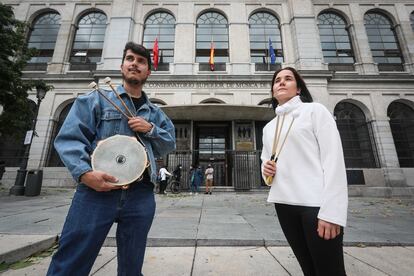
(209, 173)
(163, 174)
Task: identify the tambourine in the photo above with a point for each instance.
(122, 157)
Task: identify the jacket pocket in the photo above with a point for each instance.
(110, 123)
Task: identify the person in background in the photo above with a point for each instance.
(177, 172)
(163, 179)
(198, 179)
(309, 186)
(209, 179)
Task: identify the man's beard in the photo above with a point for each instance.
(133, 81)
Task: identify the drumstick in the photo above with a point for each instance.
(94, 85)
(275, 156)
(107, 80)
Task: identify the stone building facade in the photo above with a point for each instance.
(356, 57)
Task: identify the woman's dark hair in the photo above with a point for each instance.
(304, 95)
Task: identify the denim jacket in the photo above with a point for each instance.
(92, 118)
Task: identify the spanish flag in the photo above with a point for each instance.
(211, 60)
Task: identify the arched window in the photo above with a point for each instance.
(335, 42)
(265, 32)
(43, 37)
(212, 101)
(157, 102)
(212, 31)
(160, 25)
(88, 42)
(356, 136)
(383, 42)
(53, 159)
(412, 20)
(402, 128)
(266, 102)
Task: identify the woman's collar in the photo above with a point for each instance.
(288, 106)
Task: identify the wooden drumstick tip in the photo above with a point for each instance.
(93, 85)
(269, 180)
(107, 80)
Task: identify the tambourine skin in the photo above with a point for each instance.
(120, 156)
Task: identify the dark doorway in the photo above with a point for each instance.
(212, 142)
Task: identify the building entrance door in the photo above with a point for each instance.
(212, 141)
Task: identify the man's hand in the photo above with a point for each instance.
(327, 230)
(99, 181)
(139, 124)
(269, 168)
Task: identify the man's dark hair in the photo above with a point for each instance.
(304, 95)
(139, 50)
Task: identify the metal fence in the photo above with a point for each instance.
(240, 169)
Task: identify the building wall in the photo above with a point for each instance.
(240, 85)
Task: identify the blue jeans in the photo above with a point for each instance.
(194, 187)
(89, 220)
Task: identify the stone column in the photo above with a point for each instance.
(118, 32)
(364, 61)
(305, 36)
(393, 174)
(406, 37)
(239, 43)
(287, 39)
(184, 45)
(60, 59)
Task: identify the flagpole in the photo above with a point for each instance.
(268, 56)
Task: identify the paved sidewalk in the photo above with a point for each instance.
(194, 261)
(223, 233)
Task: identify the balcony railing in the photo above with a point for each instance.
(202, 67)
(341, 67)
(390, 67)
(267, 67)
(74, 66)
(31, 66)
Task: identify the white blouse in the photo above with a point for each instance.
(310, 170)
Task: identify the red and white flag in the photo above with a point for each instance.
(155, 54)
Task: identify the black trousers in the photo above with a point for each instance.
(315, 255)
(163, 186)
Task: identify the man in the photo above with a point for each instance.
(209, 179)
(97, 203)
(163, 181)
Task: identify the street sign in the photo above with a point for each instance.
(28, 138)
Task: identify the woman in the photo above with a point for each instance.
(309, 187)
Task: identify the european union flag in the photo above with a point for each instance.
(272, 53)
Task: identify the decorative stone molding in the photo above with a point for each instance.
(208, 84)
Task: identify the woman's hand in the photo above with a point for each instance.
(269, 168)
(327, 230)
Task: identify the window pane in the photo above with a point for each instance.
(335, 39)
(382, 37)
(264, 26)
(89, 39)
(211, 27)
(161, 26)
(43, 36)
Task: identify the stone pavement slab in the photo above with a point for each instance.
(236, 261)
(396, 261)
(17, 247)
(196, 261)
